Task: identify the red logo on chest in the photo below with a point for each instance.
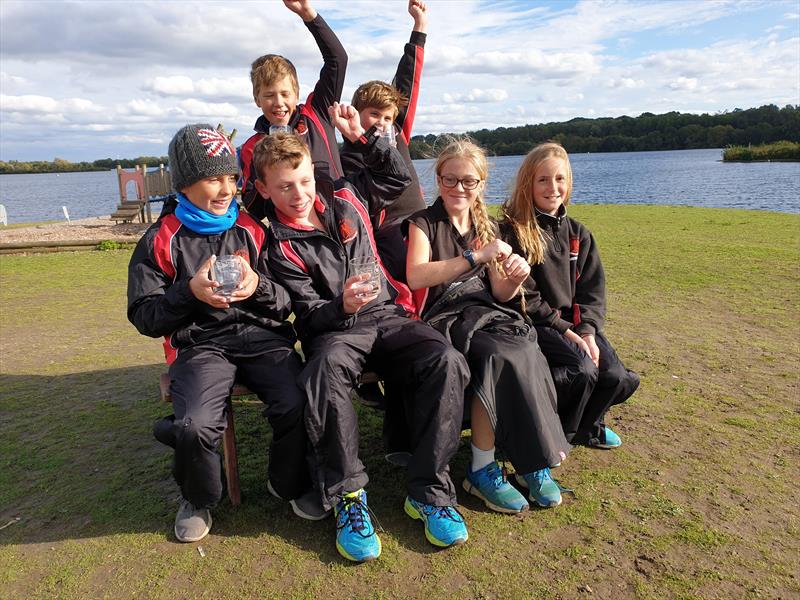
(244, 254)
(347, 231)
(301, 128)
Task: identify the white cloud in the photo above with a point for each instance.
(197, 108)
(477, 95)
(683, 83)
(175, 85)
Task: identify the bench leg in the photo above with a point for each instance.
(230, 458)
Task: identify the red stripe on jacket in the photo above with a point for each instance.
(408, 123)
(162, 253)
(292, 256)
(403, 298)
(308, 111)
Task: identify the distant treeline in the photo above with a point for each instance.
(59, 165)
(669, 131)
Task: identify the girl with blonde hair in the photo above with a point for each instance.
(462, 273)
(565, 297)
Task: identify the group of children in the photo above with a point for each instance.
(502, 334)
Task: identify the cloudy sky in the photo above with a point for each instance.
(94, 79)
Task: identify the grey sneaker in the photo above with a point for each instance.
(309, 506)
(191, 524)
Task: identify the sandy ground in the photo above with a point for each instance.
(96, 228)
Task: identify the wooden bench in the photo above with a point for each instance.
(229, 456)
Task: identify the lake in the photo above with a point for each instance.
(685, 177)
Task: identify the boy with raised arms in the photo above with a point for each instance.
(276, 92)
(392, 107)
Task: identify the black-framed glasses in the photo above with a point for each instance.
(468, 183)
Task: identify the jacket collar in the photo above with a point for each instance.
(551, 221)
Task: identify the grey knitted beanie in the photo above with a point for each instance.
(199, 151)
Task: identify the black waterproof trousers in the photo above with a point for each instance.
(201, 381)
(405, 353)
(511, 378)
(585, 392)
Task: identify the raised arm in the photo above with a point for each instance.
(331, 77)
(409, 70)
(384, 175)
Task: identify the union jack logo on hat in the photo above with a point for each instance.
(215, 142)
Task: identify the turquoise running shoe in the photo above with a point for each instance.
(444, 525)
(542, 488)
(356, 538)
(610, 440)
(489, 485)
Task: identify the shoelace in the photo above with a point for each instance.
(544, 474)
(354, 510)
(446, 512)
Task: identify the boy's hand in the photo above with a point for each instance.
(248, 285)
(594, 351)
(578, 341)
(302, 8)
(354, 298)
(497, 249)
(345, 118)
(419, 12)
(516, 268)
(202, 286)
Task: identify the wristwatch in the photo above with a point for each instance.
(469, 256)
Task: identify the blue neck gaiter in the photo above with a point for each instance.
(203, 222)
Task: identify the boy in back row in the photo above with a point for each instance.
(276, 92)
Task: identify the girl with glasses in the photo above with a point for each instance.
(461, 273)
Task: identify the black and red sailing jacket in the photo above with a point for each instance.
(310, 120)
(568, 290)
(160, 302)
(407, 80)
(313, 265)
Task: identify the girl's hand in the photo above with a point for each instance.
(594, 351)
(577, 340)
(202, 286)
(516, 269)
(248, 285)
(497, 249)
(354, 298)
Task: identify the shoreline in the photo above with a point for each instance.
(78, 230)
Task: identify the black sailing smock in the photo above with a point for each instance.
(509, 373)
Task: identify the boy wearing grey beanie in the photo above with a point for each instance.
(213, 339)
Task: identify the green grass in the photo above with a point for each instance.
(699, 502)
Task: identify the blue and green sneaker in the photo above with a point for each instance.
(542, 488)
(610, 440)
(491, 486)
(356, 538)
(444, 525)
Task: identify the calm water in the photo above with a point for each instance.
(690, 177)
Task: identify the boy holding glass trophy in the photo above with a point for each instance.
(349, 310)
(199, 278)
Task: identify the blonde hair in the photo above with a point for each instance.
(520, 209)
(278, 148)
(380, 95)
(464, 148)
(270, 68)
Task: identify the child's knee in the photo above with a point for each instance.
(191, 432)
